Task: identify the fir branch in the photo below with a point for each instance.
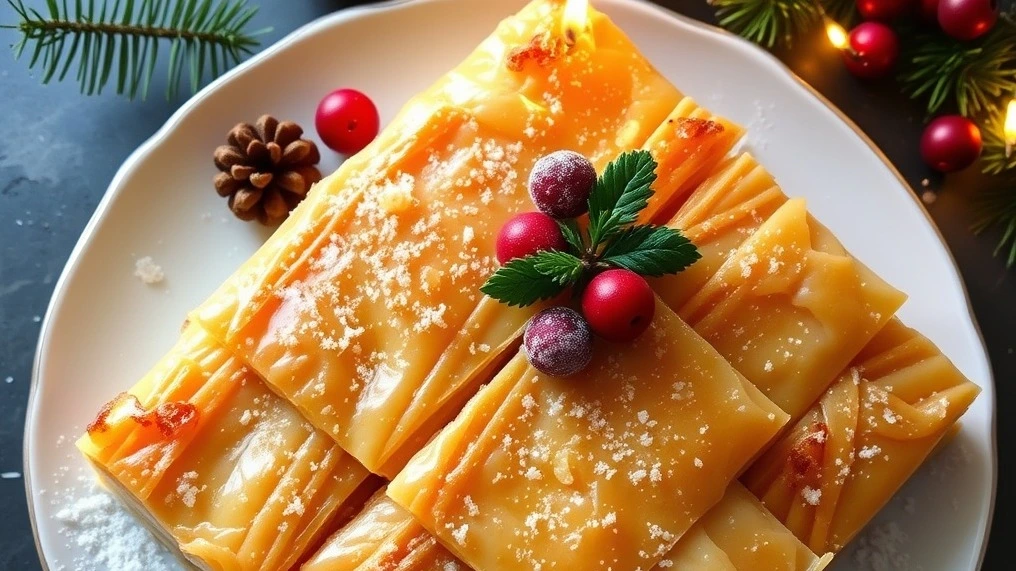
(970, 75)
(123, 42)
(998, 208)
(993, 159)
(767, 22)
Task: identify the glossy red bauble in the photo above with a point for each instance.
(929, 10)
(347, 121)
(967, 19)
(884, 10)
(528, 233)
(873, 50)
(950, 143)
(618, 304)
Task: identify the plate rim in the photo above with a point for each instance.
(116, 186)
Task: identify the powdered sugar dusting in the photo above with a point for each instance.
(148, 271)
(109, 536)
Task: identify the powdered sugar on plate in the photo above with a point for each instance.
(96, 526)
(100, 527)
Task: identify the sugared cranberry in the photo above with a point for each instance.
(560, 184)
(526, 234)
(558, 341)
(618, 304)
(347, 121)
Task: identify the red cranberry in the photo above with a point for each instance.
(619, 305)
(526, 234)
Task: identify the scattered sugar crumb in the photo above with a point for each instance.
(295, 506)
(811, 495)
(460, 532)
(148, 271)
(869, 452)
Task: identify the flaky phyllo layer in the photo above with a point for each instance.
(870, 431)
(737, 534)
(219, 467)
(364, 310)
(775, 292)
(607, 469)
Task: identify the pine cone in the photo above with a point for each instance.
(267, 169)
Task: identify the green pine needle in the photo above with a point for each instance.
(993, 159)
(972, 75)
(121, 43)
(843, 11)
(998, 208)
(767, 22)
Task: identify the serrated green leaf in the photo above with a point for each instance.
(520, 283)
(573, 236)
(651, 250)
(563, 267)
(621, 192)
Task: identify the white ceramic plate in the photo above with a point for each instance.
(104, 328)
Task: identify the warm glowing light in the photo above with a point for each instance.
(576, 18)
(1009, 131)
(837, 35)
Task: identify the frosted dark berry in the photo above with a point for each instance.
(618, 305)
(560, 184)
(558, 341)
(528, 233)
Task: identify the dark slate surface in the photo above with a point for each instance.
(59, 150)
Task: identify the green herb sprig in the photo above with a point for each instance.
(120, 43)
(611, 239)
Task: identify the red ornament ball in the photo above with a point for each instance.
(873, 50)
(929, 10)
(950, 143)
(883, 10)
(618, 304)
(558, 341)
(967, 19)
(347, 121)
(528, 233)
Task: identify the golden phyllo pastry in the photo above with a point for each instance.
(775, 292)
(870, 431)
(739, 534)
(363, 309)
(218, 466)
(604, 469)
(383, 537)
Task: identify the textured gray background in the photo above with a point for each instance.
(59, 150)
